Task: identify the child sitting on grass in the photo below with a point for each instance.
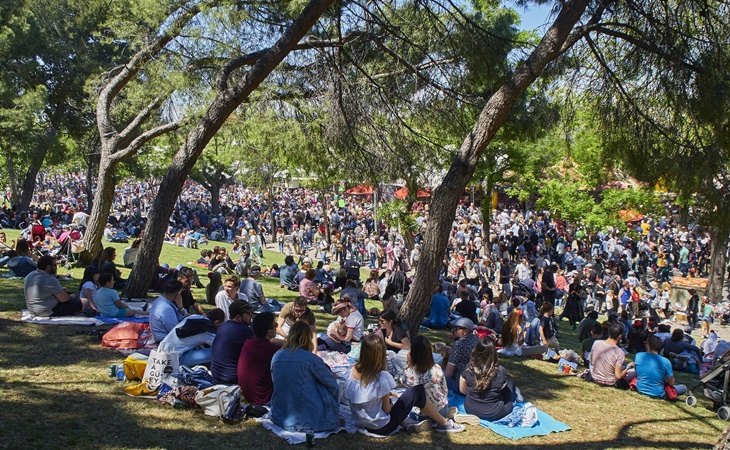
(108, 302)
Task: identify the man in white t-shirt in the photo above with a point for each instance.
(229, 294)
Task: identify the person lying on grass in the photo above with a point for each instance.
(368, 389)
(107, 300)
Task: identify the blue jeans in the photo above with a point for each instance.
(532, 334)
(271, 305)
(373, 258)
(4, 260)
(196, 356)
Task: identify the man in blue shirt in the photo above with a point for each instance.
(167, 310)
(438, 316)
(653, 371)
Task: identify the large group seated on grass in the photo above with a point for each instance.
(275, 361)
(500, 305)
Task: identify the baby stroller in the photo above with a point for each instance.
(715, 385)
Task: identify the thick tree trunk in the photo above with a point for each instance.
(28, 187)
(718, 264)
(491, 119)
(215, 197)
(220, 109)
(103, 200)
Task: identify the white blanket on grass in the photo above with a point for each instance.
(26, 316)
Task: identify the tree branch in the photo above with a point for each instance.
(129, 70)
(142, 139)
(648, 46)
(251, 58)
(141, 117)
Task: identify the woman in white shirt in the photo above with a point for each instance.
(368, 389)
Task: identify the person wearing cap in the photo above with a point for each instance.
(229, 340)
(459, 353)
(344, 330)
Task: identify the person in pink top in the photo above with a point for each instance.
(308, 288)
(608, 366)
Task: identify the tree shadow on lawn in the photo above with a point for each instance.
(70, 416)
(32, 345)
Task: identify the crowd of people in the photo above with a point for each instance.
(497, 295)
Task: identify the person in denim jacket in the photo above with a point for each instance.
(306, 393)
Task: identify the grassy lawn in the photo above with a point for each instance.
(54, 392)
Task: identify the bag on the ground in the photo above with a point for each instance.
(162, 362)
(670, 392)
(134, 367)
(220, 401)
(198, 376)
(127, 335)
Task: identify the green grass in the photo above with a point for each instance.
(54, 392)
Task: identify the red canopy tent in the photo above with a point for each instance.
(402, 193)
(361, 189)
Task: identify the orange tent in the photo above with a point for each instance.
(361, 189)
(402, 193)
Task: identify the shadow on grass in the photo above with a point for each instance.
(53, 345)
(65, 415)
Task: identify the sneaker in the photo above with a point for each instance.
(451, 412)
(450, 427)
(470, 419)
(419, 427)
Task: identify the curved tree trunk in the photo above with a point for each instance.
(28, 187)
(718, 264)
(225, 102)
(103, 200)
(491, 118)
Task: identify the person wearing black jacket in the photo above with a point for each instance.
(693, 308)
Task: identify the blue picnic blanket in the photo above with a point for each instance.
(545, 423)
(114, 320)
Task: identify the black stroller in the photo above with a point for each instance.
(715, 385)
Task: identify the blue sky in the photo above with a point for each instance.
(533, 16)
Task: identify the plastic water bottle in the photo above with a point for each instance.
(120, 373)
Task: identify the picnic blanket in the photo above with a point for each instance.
(138, 305)
(26, 316)
(545, 423)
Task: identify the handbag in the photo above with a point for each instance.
(127, 335)
(670, 392)
(163, 361)
(220, 401)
